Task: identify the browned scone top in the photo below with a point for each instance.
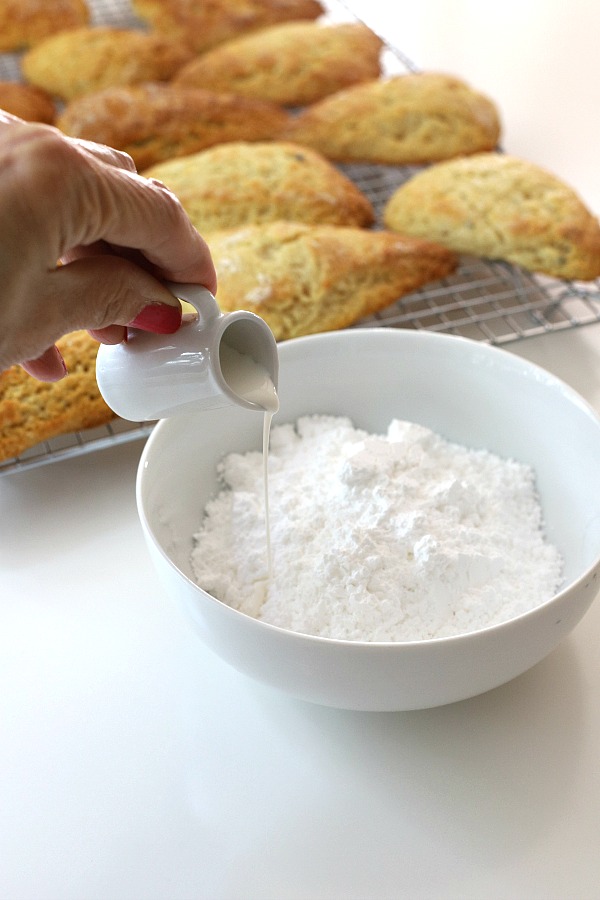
(309, 278)
(239, 182)
(294, 64)
(154, 122)
(27, 101)
(84, 60)
(401, 120)
(203, 24)
(24, 23)
(32, 411)
(498, 206)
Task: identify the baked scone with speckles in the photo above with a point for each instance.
(154, 122)
(86, 60)
(24, 23)
(203, 24)
(294, 64)
(32, 411)
(401, 120)
(498, 206)
(238, 183)
(27, 101)
(308, 278)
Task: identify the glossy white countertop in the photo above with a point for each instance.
(135, 765)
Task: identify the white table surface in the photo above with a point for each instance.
(134, 765)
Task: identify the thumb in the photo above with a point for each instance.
(97, 292)
(101, 294)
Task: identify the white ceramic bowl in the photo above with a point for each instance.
(471, 393)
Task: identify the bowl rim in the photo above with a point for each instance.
(480, 633)
(441, 337)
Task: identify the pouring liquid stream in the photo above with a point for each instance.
(251, 381)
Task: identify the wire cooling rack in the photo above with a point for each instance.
(484, 300)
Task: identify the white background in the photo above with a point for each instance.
(134, 765)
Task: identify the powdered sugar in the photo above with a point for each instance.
(393, 537)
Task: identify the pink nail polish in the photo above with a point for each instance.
(159, 318)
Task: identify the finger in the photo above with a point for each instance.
(120, 207)
(105, 154)
(102, 248)
(97, 249)
(95, 294)
(96, 202)
(49, 366)
(112, 334)
(99, 292)
(152, 221)
(7, 118)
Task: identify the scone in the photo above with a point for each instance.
(495, 205)
(154, 122)
(85, 60)
(238, 183)
(293, 64)
(32, 411)
(402, 120)
(203, 24)
(27, 101)
(307, 278)
(24, 23)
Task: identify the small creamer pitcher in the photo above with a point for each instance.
(217, 360)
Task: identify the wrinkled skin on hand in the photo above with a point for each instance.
(84, 243)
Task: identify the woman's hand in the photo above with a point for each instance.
(115, 233)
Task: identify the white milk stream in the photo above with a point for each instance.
(250, 380)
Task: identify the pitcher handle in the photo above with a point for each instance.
(200, 298)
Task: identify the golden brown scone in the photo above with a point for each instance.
(32, 411)
(307, 278)
(203, 24)
(24, 23)
(85, 60)
(154, 122)
(498, 206)
(27, 101)
(402, 120)
(293, 64)
(238, 183)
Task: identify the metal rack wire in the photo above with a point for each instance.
(484, 300)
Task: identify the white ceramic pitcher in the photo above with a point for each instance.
(156, 376)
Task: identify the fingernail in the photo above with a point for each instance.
(161, 318)
(62, 363)
(57, 367)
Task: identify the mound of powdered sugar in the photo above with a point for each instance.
(395, 537)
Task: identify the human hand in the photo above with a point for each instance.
(116, 234)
